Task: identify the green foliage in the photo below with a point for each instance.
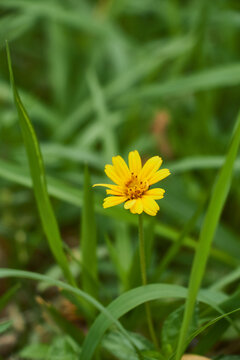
(4, 326)
(208, 229)
(96, 79)
(62, 348)
(39, 183)
(88, 240)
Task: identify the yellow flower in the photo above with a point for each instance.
(133, 183)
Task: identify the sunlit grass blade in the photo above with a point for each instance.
(36, 165)
(88, 240)
(208, 229)
(135, 297)
(6, 273)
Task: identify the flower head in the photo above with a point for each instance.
(132, 183)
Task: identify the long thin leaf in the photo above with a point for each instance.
(228, 75)
(5, 273)
(39, 182)
(6, 297)
(88, 240)
(133, 298)
(209, 226)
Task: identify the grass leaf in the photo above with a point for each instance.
(208, 229)
(88, 240)
(133, 298)
(5, 273)
(39, 181)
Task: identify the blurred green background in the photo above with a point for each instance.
(100, 78)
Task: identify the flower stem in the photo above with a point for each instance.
(144, 279)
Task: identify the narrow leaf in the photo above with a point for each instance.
(209, 226)
(39, 182)
(88, 240)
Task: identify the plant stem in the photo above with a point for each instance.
(144, 279)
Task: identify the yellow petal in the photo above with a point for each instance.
(137, 207)
(111, 173)
(121, 168)
(110, 186)
(150, 168)
(159, 175)
(150, 206)
(113, 200)
(156, 194)
(134, 162)
(115, 192)
(128, 204)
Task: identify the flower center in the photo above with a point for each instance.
(135, 188)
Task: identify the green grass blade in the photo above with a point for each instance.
(5, 273)
(4, 326)
(39, 182)
(135, 297)
(229, 75)
(108, 136)
(206, 326)
(163, 52)
(226, 280)
(209, 226)
(88, 240)
(174, 249)
(6, 297)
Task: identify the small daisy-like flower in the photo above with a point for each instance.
(133, 183)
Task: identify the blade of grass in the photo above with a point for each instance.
(229, 75)
(226, 280)
(204, 327)
(5, 273)
(6, 297)
(88, 240)
(108, 136)
(39, 182)
(174, 249)
(138, 70)
(208, 229)
(4, 326)
(135, 297)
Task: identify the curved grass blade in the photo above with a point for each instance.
(135, 297)
(209, 226)
(39, 182)
(5, 273)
